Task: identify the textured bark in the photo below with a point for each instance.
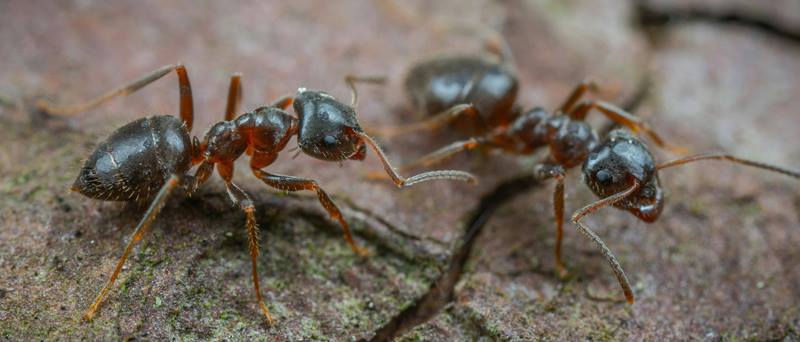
(449, 261)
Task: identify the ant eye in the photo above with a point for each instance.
(330, 140)
(603, 177)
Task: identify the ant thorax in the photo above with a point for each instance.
(569, 140)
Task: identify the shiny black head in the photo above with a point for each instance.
(327, 128)
(613, 166)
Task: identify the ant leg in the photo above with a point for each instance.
(445, 152)
(283, 102)
(419, 178)
(497, 45)
(234, 97)
(186, 105)
(624, 118)
(201, 175)
(612, 260)
(576, 94)
(241, 199)
(434, 122)
(141, 229)
(290, 183)
(768, 167)
(544, 171)
(351, 82)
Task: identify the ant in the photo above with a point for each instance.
(620, 169)
(474, 93)
(146, 159)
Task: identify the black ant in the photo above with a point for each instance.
(148, 158)
(620, 169)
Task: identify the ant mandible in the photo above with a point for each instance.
(620, 170)
(149, 157)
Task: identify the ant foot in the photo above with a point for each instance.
(562, 272)
(362, 252)
(265, 311)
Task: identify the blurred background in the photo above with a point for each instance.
(709, 75)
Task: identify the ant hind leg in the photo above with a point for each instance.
(155, 207)
(184, 87)
(576, 94)
(624, 118)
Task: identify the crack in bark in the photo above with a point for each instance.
(364, 224)
(442, 290)
(391, 227)
(647, 16)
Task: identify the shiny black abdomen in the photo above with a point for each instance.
(439, 84)
(136, 160)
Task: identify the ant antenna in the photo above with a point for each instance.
(727, 157)
(351, 81)
(612, 260)
(419, 178)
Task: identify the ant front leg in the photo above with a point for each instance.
(545, 171)
(612, 260)
(283, 102)
(289, 183)
(184, 87)
(624, 118)
(155, 207)
(243, 201)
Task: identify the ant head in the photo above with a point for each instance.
(327, 129)
(223, 142)
(614, 165)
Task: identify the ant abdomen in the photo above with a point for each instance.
(136, 160)
(613, 167)
(439, 84)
